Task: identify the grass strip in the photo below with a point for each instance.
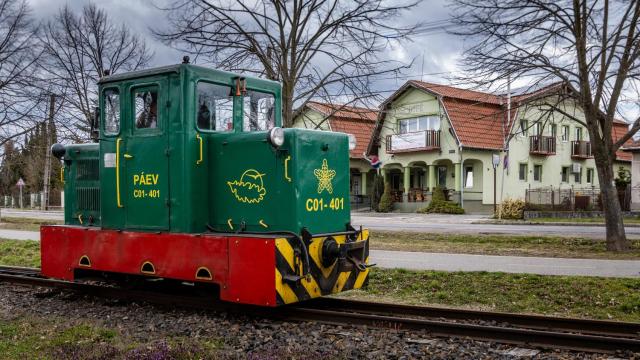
(20, 253)
(26, 224)
(31, 338)
(573, 296)
(516, 245)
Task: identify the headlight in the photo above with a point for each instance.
(352, 141)
(276, 136)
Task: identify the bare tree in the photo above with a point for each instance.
(79, 48)
(18, 55)
(592, 46)
(315, 48)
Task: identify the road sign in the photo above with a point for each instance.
(20, 183)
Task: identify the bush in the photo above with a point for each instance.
(439, 205)
(386, 201)
(442, 207)
(438, 194)
(512, 209)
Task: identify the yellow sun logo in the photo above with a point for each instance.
(324, 175)
(250, 188)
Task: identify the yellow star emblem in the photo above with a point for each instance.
(324, 175)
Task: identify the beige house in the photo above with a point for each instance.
(356, 121)
(429, 135)
(634, 149)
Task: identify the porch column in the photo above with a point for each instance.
(432, 177)
(363, 182)
(406, 183)
(384, 175)
(457, 179)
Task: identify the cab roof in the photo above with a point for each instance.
(176, 68)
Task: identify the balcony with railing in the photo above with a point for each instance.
(581, 149)
(414, 141)
(542, 145)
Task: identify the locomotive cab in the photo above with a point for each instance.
(193, 170)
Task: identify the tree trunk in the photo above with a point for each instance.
(616, 237)
(287, 105)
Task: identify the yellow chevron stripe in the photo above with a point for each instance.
(312, 287)
(362, 276)
(286, 250)
(342, 279)
(364, 235)
(284, 290)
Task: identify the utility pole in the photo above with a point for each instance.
(506, 145)
(47, 158)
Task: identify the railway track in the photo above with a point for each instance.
(522, 330)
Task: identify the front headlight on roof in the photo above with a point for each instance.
(276, 136)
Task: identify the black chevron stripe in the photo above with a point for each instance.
(283, 265)
(351, 280)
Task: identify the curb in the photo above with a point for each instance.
(527, 222)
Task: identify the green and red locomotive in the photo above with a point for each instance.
(194, 179)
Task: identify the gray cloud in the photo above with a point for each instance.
(434, 53)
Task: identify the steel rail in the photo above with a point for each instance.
(539, 322)
(349, 314)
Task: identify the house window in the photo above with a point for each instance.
(421, 123)
(565, 133)
(522, 173)
(537, 172)
(565, 174)
(524, 125)
(468, 177)
(577, 176)
(590, 174)
(537, 128)
(578, 133)
(554, 130)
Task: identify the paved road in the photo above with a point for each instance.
(510, 264)
(20, 235)
(464, 262)
(467, 225)
(32, 214)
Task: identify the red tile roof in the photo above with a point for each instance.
(357, 121)
(344, 111)
(477, 125)
(618, 130)
(457, 93)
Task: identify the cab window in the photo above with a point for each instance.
(111, 111)
(146, 107)
(215, 107)
(259, 111)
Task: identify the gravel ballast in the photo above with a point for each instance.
(144, 331)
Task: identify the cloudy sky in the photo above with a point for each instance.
(439, 50)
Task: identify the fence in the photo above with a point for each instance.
(32, 200)
(571, 199)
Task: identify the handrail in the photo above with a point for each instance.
(118, 172)
(199, 161)
(286, 168)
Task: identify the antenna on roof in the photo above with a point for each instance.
(185, 59)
